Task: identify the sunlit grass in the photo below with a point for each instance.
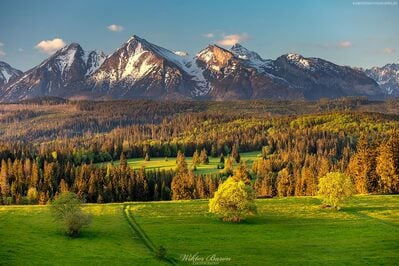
(170, 163)
(286, 231)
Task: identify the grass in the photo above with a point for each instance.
(29, 236)
(170, 163)
(286, 231)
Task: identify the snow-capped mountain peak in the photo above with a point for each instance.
(387, 77)
(244, 53)
(252, 59)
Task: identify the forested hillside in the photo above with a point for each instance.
(51, 145)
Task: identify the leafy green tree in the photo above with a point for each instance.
(234, 200)
(67, 210)
(334, 188)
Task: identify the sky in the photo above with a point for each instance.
(354, 33)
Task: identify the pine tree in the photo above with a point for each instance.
(4, 178)
(196, 159)
(362, 167)
(235, 153)
(387, 165)
(228, 166)
(204, 157)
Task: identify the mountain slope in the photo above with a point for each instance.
(317, 78)
(140, 69)
(8, 74)
(240, 74)
(387, 78)
(62, 74)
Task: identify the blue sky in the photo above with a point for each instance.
(355, 33)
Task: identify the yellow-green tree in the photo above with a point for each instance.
(334, 188)
(234, 199)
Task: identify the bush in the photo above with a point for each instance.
(160, 253)
(67, 210)
(334, 188)
(234, 200)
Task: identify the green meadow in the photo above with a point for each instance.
(170, 163)
(286, 231)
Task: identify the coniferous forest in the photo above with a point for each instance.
(50, 145)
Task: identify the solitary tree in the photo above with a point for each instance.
(68, 211)
(196, 159)
(334, 188)
(204, 157)
(235, 153)
(234, 199)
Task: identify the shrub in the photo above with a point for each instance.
(67, 210)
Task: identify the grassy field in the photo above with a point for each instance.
(211, 168)
(29, 236)
(293, 231)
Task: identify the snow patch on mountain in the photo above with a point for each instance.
(7, 73)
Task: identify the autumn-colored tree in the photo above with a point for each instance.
(228, 166)
(196, 159)
(235, 153)
(362, 166)
(204, 157)
(183, 184)
(388, 165)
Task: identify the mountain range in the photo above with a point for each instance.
(140, 69)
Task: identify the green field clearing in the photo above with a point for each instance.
(211, 168)
(287, 231)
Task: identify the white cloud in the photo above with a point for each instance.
(114, 27)
(345, 44)
(1, 44)
(208, 35)
(21, 50)
(229, 40)
(50, 46)
(388, 50)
